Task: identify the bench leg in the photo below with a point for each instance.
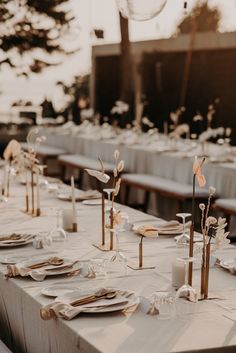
(127, 193)
(80, 182)
(63, 172)
(146, 201)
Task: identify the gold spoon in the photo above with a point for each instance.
(11, 237)
(55, 261)
(93, 298)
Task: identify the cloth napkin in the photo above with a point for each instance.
(145, 229)
(66, 311)
(37, 274)
(20, 270)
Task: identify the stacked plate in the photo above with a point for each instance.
(15, 239)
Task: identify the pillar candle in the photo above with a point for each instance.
(73, 200)
(178, 273)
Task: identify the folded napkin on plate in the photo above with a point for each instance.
(20, 270)
(147, 230)
(67, 311)
(36, 274)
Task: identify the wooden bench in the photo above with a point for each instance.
(164, 187)
(46, 154)
(226, 206)
(80, 162)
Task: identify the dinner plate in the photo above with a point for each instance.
(51, 270)
(228, 264)
(130, 298)
(58, 290)
(14, 243)
(67, 197)
(161, 231)
(95, 202)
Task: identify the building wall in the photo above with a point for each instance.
(160, 64)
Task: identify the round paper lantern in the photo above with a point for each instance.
(140, 10)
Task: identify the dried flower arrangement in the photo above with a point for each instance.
(211, 228)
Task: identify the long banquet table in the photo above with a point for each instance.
(208, 329)
(146, 157)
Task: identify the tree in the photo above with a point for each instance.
(31, 31)
(205, 19)
(126, 84)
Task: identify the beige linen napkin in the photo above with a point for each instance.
(68, 312)
(20, 270)
(153, 230)
(147, 230)
(36, 274)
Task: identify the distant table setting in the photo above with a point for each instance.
(82, 273)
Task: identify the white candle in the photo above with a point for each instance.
(73, 200)
(178, 273)
(67, 219)
(37, 188)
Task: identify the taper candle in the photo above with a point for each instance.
(73, 200)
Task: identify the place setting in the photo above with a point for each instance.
(93, 301)
(39, 269)
(15, 240)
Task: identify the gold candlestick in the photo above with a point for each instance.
(103, 219)
(141, 253)
(74, 227)
(27, 203)
(190, 265)
(111, 228)
(32, 190)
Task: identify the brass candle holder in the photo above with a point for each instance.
(104, 246)
(140, 265)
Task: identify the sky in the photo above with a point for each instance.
(103, 14)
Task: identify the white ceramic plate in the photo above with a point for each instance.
(67, 197)
(58, 290)
(51, 270)
(13, 243)
(96, 202)
(161, 231)
(227, 264)
(132, 300)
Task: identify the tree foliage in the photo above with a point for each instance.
(31, 31)
(206, 19)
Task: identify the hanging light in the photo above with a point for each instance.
(140, 10)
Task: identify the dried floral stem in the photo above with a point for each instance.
(103, 218)
(32, 190)
(190, 268)
(111, 227)
(207, 266)
(141, 252)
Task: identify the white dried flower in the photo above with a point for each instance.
(202, 206)
(198, 117)
(120, 166)
(117, 154)
(115, 173)
(117, 187)
(212, 190)
(210, 221)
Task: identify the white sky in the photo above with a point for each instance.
(103, 14)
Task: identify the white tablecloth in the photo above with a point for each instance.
(20, 299)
